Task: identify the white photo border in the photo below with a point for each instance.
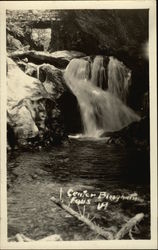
(122, 4)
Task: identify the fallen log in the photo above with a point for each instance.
(129, 226)
(38, 57)
(22, 238)
(126, 229)
(105, 234)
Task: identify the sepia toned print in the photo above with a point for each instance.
(78, 138)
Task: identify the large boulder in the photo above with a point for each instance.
(95, 31)
(68, 54)
(32, 112)
(40, 57)
(136, 133)
(54, 82)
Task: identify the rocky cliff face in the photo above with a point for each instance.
(89, 31)
(35, 106)
(100, 31)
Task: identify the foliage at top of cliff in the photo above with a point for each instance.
(20, 24)
(27, 16)
(89, 31)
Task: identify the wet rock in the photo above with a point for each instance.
(137, 133)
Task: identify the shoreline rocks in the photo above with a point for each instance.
(137, 134)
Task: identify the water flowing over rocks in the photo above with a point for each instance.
(100, 110)
(119, 79)
(100, 89)
(99, 72)
(88, 97)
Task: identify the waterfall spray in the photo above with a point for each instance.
(98, 75)
(101, 111)
(38, 68)
(119, 79)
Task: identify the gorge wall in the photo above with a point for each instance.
(100, 31)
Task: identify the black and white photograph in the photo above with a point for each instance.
(78, 164)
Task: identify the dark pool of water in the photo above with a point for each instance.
(34, 176)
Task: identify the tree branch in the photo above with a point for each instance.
(40, 57)
(98, 230)
(128, 226)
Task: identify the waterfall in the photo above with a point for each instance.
(101, 111)
(80, 69)
(98, 75)
(119, 79)
(38, 68)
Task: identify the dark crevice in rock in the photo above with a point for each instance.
(68, 105)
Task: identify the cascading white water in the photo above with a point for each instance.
(80, 69)
(98, 72)
(119, 79)
(100, 110)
